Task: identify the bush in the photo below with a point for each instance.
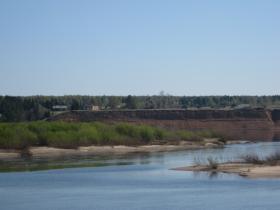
(252, 158)
(127, 130)
(273, 159)
(62, 139)
(189, 136)
(16, 136)
(72, 135)
(212, 163)
(146, 133)
(160, 134)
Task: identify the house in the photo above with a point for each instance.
(59, 108)
(120, 106)
(242, 106)
(92, 108)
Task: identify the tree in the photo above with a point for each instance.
(130, 102)
(75, 105)
(149, 104)
(114, 102)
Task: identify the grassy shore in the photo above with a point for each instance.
(72, 135)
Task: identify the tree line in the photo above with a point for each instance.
(29, 108)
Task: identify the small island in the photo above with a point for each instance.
(250, 166)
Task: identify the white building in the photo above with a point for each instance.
(59, 108)
(92, 108)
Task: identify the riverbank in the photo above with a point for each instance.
(250, 165)
(21, 136)
(242, 169)
(248, 123)
(50, 152)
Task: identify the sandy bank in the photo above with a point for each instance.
(46, 152)
(9, 154)
(112, 150)
(242, 169)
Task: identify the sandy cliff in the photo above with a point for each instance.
(252, 124)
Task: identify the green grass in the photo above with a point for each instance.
(73, 135)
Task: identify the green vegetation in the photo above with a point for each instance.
(14, 109)
(52, 165)
(72, 135)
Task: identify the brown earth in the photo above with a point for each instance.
(249, 124)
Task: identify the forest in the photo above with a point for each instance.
(31, 108)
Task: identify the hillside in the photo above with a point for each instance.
(252, 124)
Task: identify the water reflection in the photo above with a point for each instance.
(167, 159)
(276, 136)
(140, 181)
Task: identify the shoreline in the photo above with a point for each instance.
(50, 152)
(248, 170)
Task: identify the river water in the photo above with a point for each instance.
(143, 182)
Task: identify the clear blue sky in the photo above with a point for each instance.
(139, 47)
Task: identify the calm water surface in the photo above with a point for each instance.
(146, 183)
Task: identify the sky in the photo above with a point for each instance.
(139, 47)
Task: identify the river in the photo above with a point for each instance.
(143, 181)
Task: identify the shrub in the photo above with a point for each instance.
(127, 130)
(147, 133)
(160, 134)
(252, 158)
(72, 135)
(212, 163)
(62, 139)
(189, 136)
(273, 159)
(16, 136)
(88, 135)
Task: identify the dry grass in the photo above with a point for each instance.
(273, 159)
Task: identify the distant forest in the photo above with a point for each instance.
(14, 109)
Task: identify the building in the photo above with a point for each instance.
(59, 108)
(242, 106)
(92, 108)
